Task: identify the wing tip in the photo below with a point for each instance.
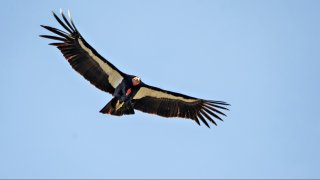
(219, 102)
(210, 110)
(53, 13)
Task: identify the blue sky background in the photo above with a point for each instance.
(263, 57)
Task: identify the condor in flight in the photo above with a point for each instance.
(129, 92)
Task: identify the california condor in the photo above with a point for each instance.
(128, 91)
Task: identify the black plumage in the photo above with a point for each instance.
(105, 76)
(183, 106)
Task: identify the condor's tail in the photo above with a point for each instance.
(117, 108)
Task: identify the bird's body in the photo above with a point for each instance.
(122, 103)
(129, 92)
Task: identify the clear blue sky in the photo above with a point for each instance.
(263, 57)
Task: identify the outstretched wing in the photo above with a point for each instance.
(83, 58)
(170, 104)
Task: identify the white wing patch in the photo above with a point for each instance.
(115, 77)
(144, 92)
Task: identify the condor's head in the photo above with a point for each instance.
(136, 81)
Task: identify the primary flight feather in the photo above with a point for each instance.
(129, 91)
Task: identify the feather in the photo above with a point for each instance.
(213, 109)
(214, 105)
(212, 114)
(203, 120)
(53, 37)
(208, 117)
(56, 31)
(66, 21)
(61, 23)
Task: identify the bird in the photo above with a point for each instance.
(129, 92)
